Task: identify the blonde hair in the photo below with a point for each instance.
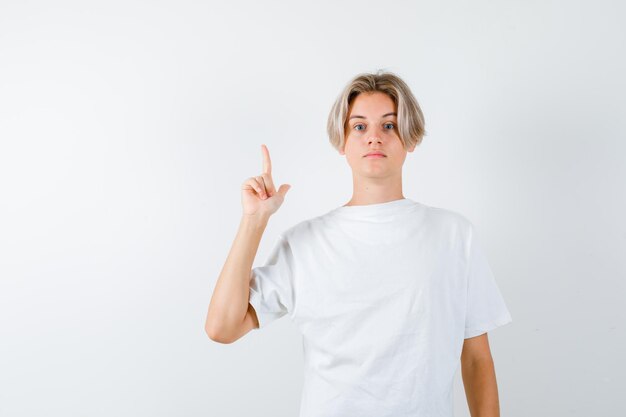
(410, 117)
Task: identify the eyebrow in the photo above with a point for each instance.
(384, 115)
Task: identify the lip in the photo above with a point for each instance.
(375, 154)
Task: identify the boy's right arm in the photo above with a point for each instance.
(230, 314)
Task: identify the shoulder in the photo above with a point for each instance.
(448, 216)
(452, 222)
(303, 229)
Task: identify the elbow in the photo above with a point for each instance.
(216, 335)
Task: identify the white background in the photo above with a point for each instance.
(127, 128)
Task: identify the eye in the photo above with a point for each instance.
(357, 125)
(390, 124)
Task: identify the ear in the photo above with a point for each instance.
(411, 148)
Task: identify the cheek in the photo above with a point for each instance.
(351, 153)
(349, 144)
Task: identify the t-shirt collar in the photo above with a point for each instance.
(373, 211)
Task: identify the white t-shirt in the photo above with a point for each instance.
(384, 295)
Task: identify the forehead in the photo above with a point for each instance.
(372, 103)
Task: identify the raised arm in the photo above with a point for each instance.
(230, 316)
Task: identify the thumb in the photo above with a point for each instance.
(282, 190)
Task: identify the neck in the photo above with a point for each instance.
(375, 190)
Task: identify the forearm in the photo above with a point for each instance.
(229, 302)
(481, 389)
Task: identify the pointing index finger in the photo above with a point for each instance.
(267, 163)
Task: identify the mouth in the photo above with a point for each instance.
(375, 155)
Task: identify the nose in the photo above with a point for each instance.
(375, 136)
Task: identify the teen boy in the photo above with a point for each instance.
(390, 294)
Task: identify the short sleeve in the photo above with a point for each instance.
(271, 285)
(486, 308)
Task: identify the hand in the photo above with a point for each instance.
(258, 194)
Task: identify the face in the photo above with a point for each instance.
(372, 126)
